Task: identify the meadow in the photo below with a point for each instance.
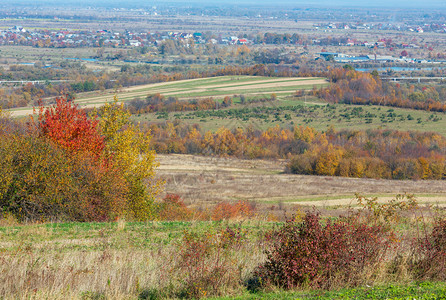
(95, 260)
(178, 260)
(289, 110)
(205, 181)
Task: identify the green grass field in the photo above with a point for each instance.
(416, 290)
(210, 87)
(290, 111)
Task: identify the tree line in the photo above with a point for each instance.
(352, 87)
(369, 153)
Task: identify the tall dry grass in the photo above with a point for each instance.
(196, 259)
(38, 262)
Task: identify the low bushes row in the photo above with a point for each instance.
(363, 247)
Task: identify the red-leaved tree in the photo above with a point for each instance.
(69, 126)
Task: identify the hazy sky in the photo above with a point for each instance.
(426, 4)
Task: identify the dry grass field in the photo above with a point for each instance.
(204, 181)
(100, 260)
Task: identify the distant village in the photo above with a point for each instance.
(420, 28)
(18, 35)
(80, 38)
(345, 58)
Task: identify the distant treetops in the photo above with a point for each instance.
(374, 153)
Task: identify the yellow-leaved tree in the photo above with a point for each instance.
(3, 118)
(128, 149)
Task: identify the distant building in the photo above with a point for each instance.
(331, 54)
(135, 43)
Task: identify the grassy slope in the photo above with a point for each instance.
(313, 113)
(206, 87)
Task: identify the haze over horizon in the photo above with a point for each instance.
(292, 3)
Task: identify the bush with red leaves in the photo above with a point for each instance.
(429, 253)
(310, 253)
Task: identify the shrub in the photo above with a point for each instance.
(173, 208)
(226, 211)
(388, 213)
(128, 150)
(41, 181)
(204, 264)
(72, 167)
(302, 164)
(117, 149)
(336, 254)
(429, 253)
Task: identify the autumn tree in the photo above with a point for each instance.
(105, 158)
(44, 181)
(70, 127)
(243, 53)
(128, 150)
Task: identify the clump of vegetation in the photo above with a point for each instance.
(429, 253)
(41, 181)
(353, 87)
(67, 166)
(205, 265)
(128, 149)
(172, 207)
(312, 254)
